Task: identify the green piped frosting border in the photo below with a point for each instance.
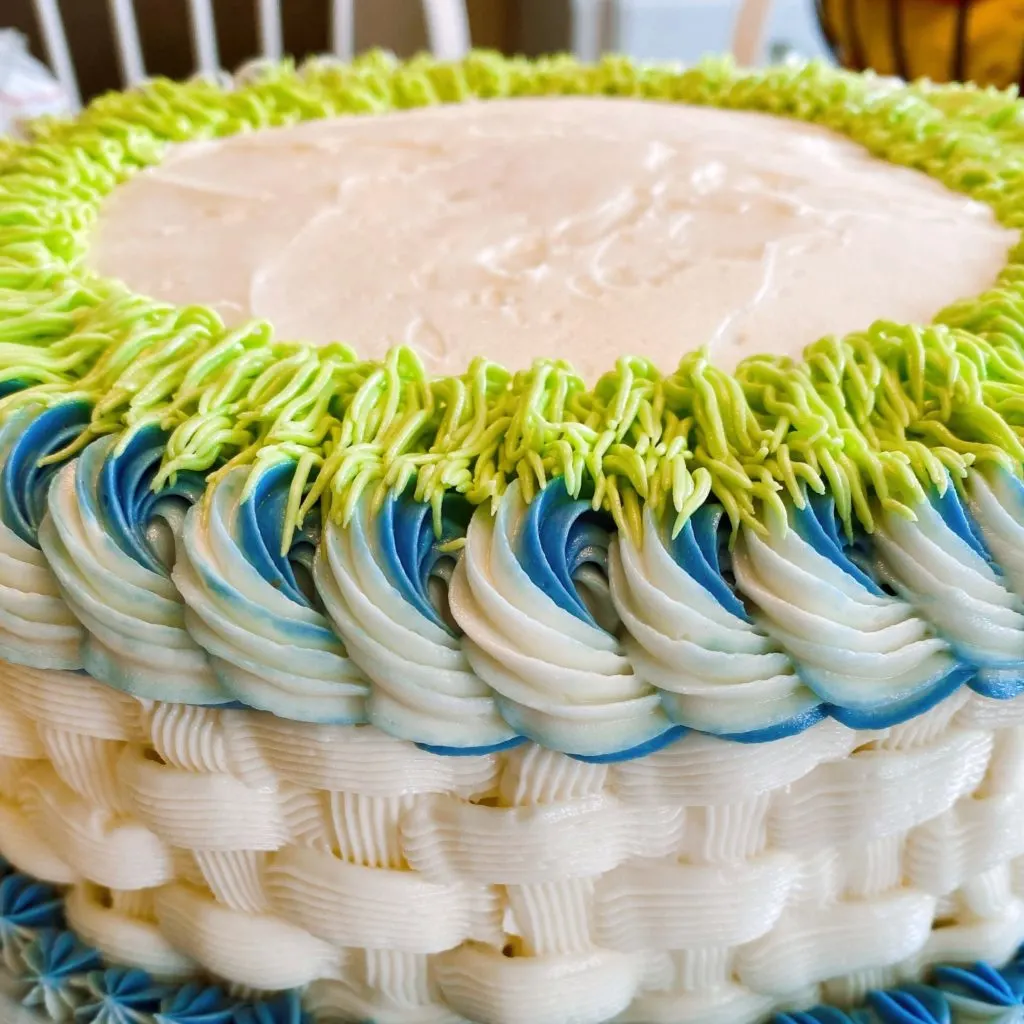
(881, 414)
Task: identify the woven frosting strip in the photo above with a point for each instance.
(389, 880)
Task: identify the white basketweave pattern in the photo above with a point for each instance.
(711, 881)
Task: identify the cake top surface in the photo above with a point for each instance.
(580, 228)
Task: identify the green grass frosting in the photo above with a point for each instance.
(875, 417)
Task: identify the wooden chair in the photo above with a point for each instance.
(447, 30)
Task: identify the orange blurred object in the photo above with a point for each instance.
(944, 40)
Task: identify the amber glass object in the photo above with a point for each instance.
(944, 40)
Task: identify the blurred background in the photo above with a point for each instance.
(652, 29)
(981, 40)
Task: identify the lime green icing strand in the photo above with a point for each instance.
(875, 417)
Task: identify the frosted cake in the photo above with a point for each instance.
(556, 559)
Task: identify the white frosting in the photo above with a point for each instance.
(135, 616)
(719, 673)
(561, 680)
(580, 228)
(424, 686)
(711, 876)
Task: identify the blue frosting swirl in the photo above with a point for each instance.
(128, 503)
(23, 482)
(384, 579)
(26, 906)
(54, 963)
(119, 995)
(698, 549)
(285, 1008)
(270, 645)
(532, 596)
(954, 994)
(36, 626)
(689, 634)
(195, 1003)
(111, 540)
(560, 539)
(818, 524)
(259, 528)
(863, 646)
(945, 566)
(412, 552)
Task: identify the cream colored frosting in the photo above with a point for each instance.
(581, 228)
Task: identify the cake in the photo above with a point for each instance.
(549, 548)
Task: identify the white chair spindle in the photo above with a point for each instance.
(343, 29)
(749, 30)
(447, 28)
(268, 13)
(57, 53)
(447, 31)
(129, 49)
(204, 36)
(588, 29)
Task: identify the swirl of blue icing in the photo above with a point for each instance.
(563, 546)
(285, 1008)
(195, 1004)
(26, 906)
(995, 502)
(110, 540)
(384, 580)
(36, 626)
(954, 995)
(119, 995)
(54, 963)
(698, 548)
(866, 652)
(942, 564)
(982, 992)
(414, 554)
(689, 634)
(23, 481)
(270, 645)
(910, 1004)
(531, 595)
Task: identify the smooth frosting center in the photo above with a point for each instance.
(584, 229)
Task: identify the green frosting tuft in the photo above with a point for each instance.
(875, 417)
